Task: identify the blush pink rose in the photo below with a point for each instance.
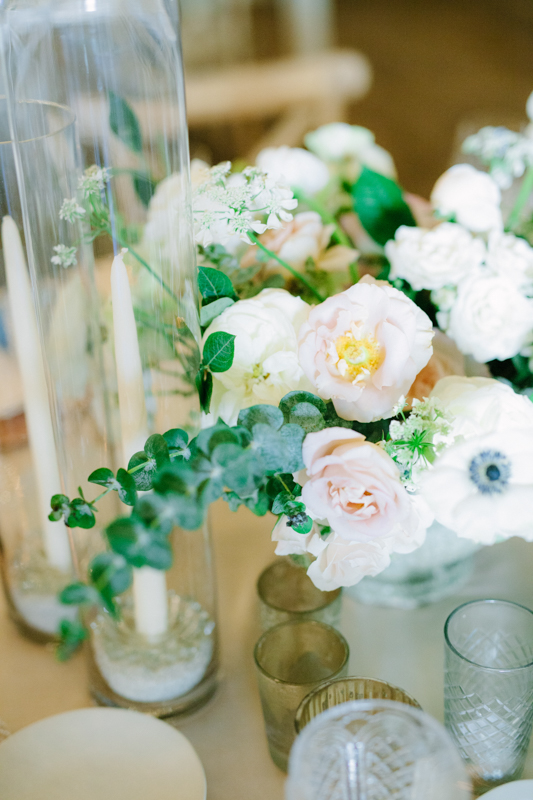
(354, 486)
(364, 347)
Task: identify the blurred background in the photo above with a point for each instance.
(421, 74)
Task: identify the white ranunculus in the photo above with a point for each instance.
(478, 406)
(339, 141)
(511, 257)
(491, 318)
(296, 167)
(470, 196)
(266, 365)
(432, 259)
(482, 487)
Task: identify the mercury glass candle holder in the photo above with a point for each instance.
(291, 659)
(343, 690)
(286, 592)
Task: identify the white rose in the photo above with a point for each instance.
(469, 195)
(343, 563)
(432, 259)
(266, 365)
(478, 406)
(482, 488)
(289, 542)
(510, 257)
(304, 237)
(296, 167)
(338, 141)
(491, 318)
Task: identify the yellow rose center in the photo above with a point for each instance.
(358, 356)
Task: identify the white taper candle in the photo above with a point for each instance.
(36, 403)
(149, 585)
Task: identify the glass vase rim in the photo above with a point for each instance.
(325, 604)
(69, 111)
(484, 601)
(326, 684)
(293, 622)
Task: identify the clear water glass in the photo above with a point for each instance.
(488, 688)
(375, 750)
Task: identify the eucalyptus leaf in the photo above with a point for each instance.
(293, 436)
(177, 440)
(110, 574)
(127, 491)
(210, 438)
(213, 310)
(292, 399)
(308, 416)
(219, 350)
(102, 477)
(144, 188)
(124, 123)
(77, 594)
(156, 447)
(71, 635)
(380, 206)
(283, 483)
(81, 514)
(143, 470)
(263, 414)
(271, 448)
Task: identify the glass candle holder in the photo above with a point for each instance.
(291, 659)
(286, 592)
(375, 750)
(488, 688)
(342, 690)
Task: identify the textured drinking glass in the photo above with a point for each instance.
(342, 690)
(375, 750)
(291, 659)
(488, 687)
(286, 592)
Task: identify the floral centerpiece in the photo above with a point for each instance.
(330, 397)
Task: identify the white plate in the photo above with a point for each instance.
(97, 753)
(516, 790)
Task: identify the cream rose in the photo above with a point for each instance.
(511, 258)
(431, 259)
(342, 563)
(364, 347)
(490, 318)
(339, 141)
(353, 485)
(296, 167)
(469, 195)
(265, 365)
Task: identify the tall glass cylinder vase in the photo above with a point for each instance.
(116, 66)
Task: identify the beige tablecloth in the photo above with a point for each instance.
(402, 647)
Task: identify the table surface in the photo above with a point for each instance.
(402, 647)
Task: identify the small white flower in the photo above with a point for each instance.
(65, 256)
(507, 153)
(432, 259)
(491, 318)
(71, 210)
(469, 196)
(93, 180)
(295, 167)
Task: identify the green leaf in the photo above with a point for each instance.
(78, 594)
(177, 442)
(81, 514)
(217, 434)
(213, 310)
(213, 284)
(147, 469)
(293, 436)
(292, 399)
(307, 416)
(261, 414)
(260, 506)
(156, 447)
(102, 477)
(379, 203)
(219, 350)
(144, 188)
(285, 503)
(244, 475)
(110, 575)
(204, 387)
(139, 545)
(333, 420)
(124, 123)
(127, 490)
(71, 636)
(270, 446)
(283, 483)
(301, 523)
(60, 505)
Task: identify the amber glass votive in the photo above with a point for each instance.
(286, 592)
(291, 660)
(341, 690)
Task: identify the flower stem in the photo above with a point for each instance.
(329, 219)
(144, 263)
(521, 200)
(288, 267)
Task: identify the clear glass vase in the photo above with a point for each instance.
(434, 571)
(121, 347)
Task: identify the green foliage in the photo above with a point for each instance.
(204, 387)
(124, 123)
(214, 285)
(210, 312)
(219, 350)
(379, 203)
(71, 635)
(144, 188)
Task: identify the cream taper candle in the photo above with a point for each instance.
(36, 403)
(149, 585)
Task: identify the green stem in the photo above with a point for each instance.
(288, 267)
(141, 260)
(521, 200)
(329, 219)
